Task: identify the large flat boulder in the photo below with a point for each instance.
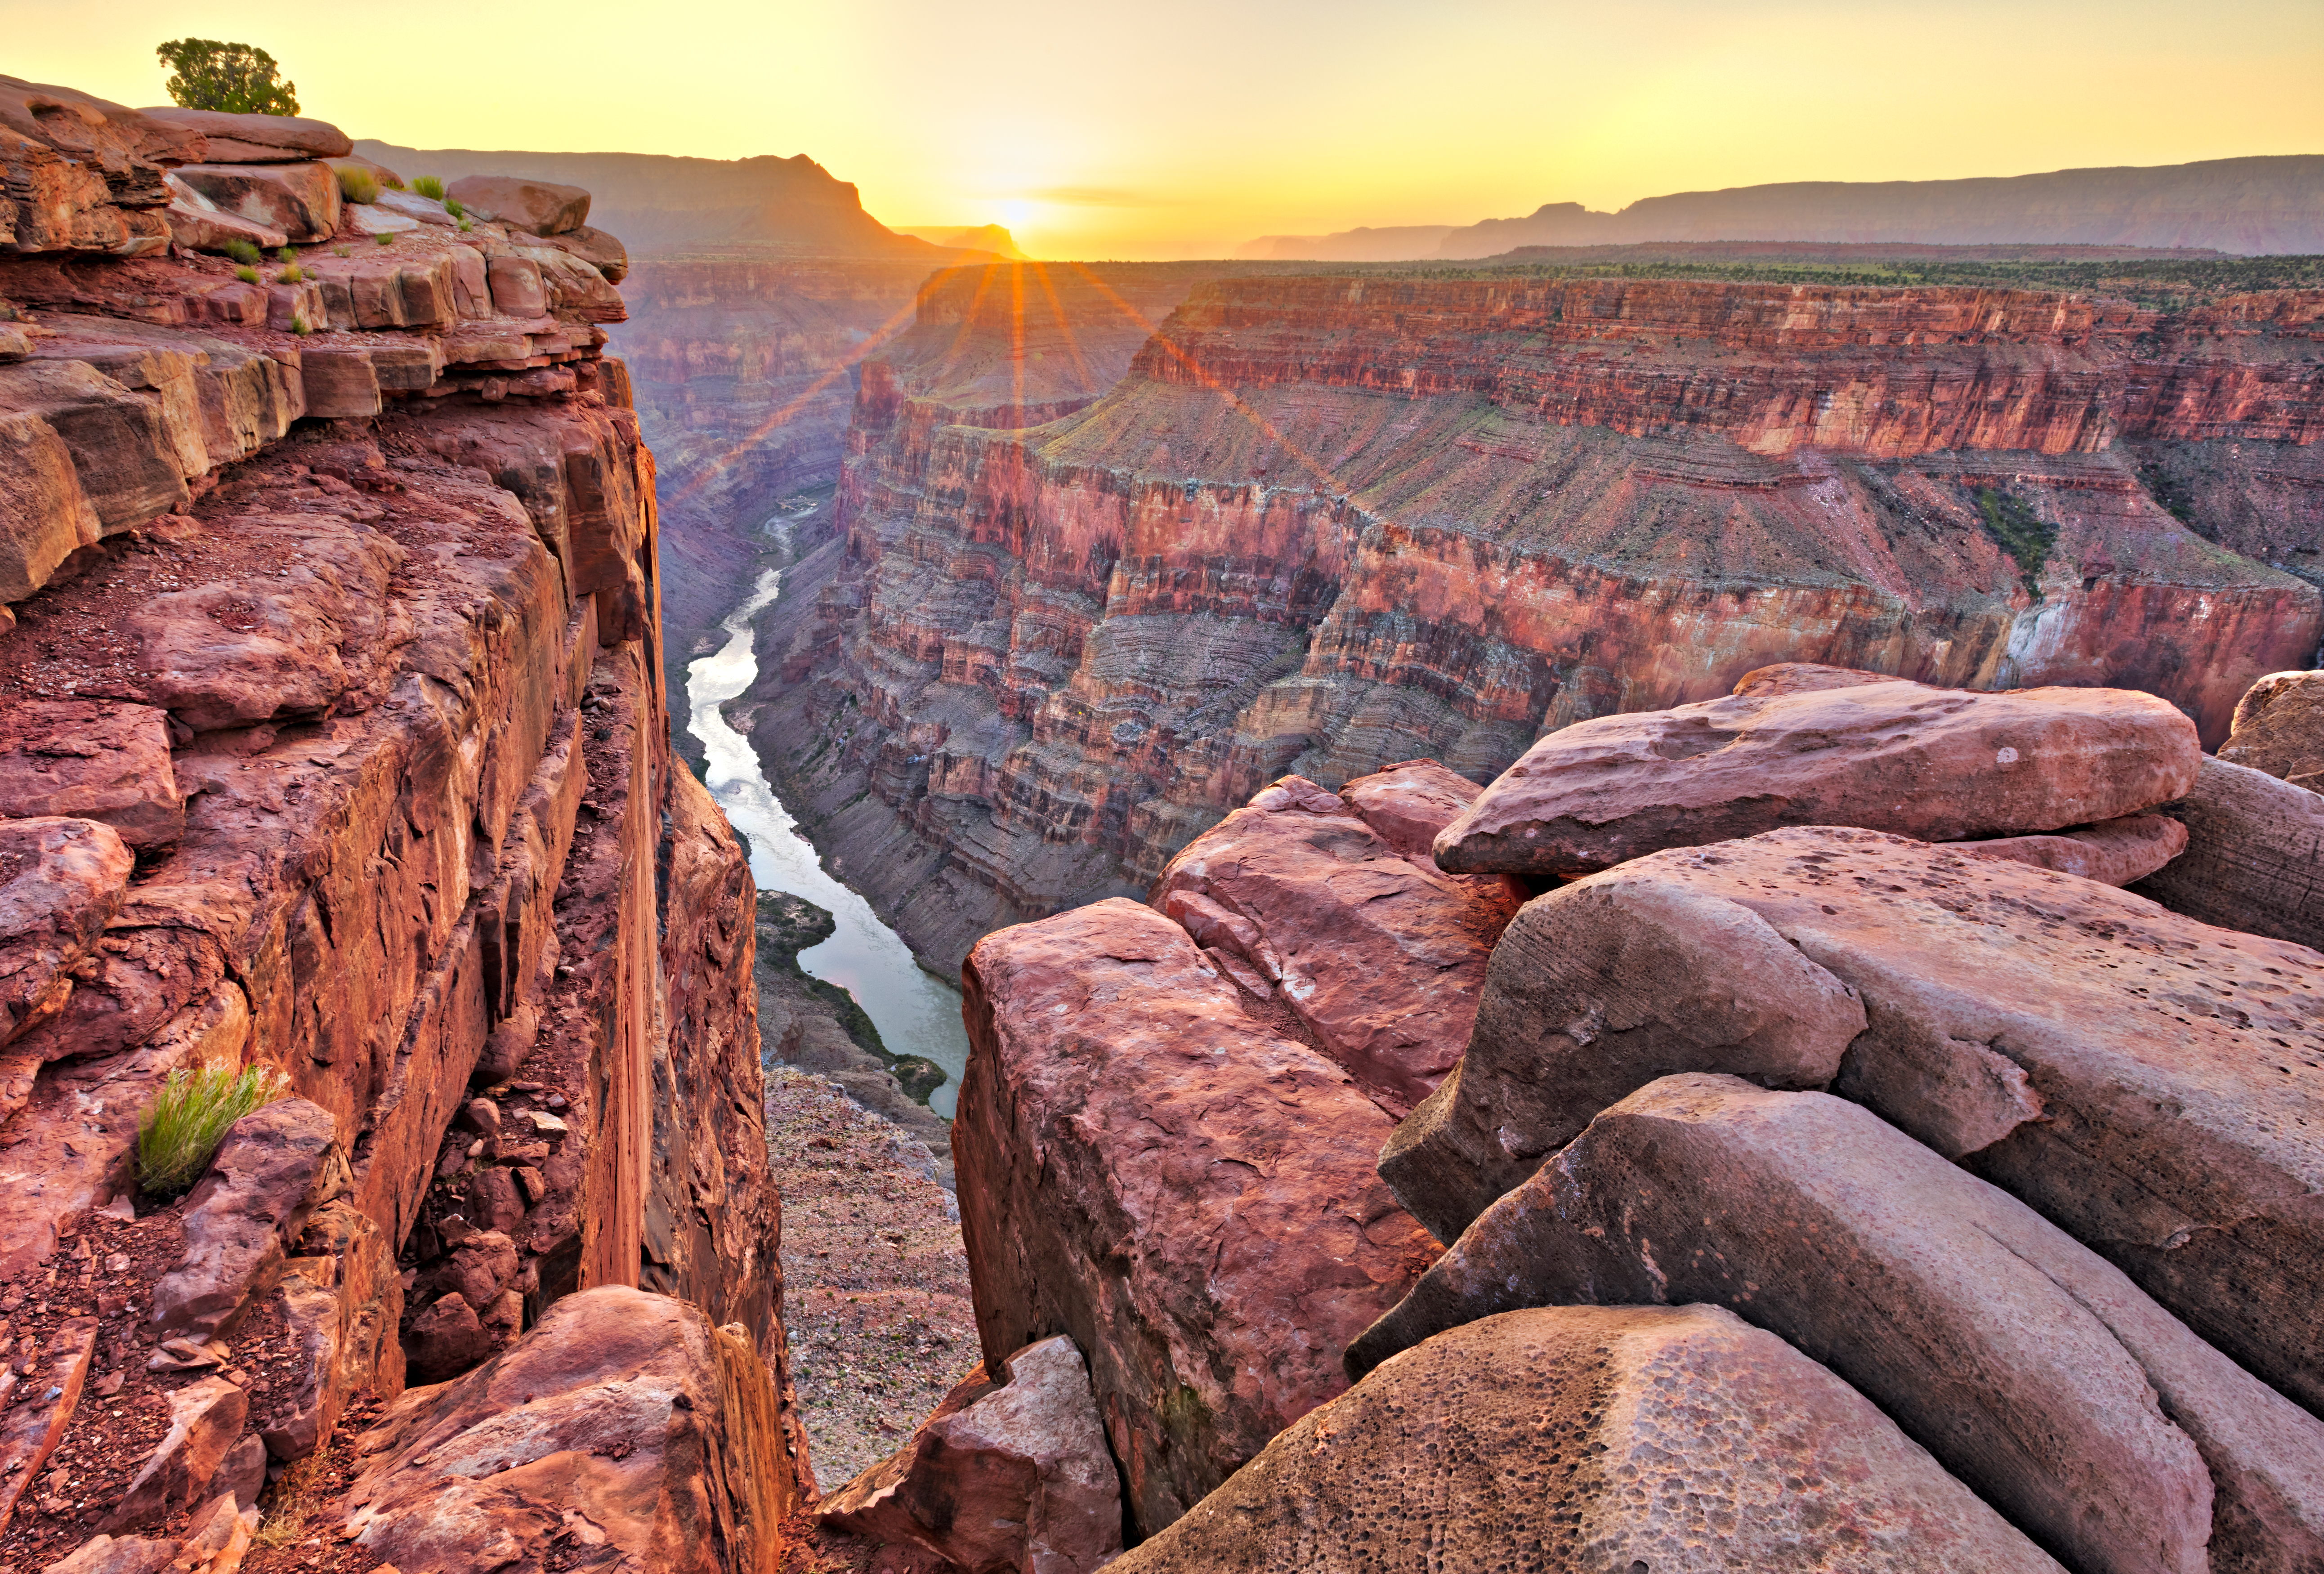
(1150, 1168)
(1009, 1473)
(1586, 1437)
(2153, 1085)
(2114, 852)
(541, 206)
(2032, 1368)
(1375, 951)
(302, 200)
(60, 880)
(2254, 857)
(276, 1165)
(2279, 727)
(256, 139)
(622, 1427)
(93, 759)
(1941, 764)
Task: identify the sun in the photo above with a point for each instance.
(1015, 210)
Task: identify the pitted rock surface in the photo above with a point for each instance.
(2118, 852)
(2254, 857)
(1673, 1439)
(1941, 764)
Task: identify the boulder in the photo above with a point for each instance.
(540, 207)
(1593, 1438)
(2279, 727)
(515, 284)
(1010, 1474)
(117, 1555)
(1406, 804)
(2153, 1085)
(341, 384)
(1378, 954)
(1939, 765)
(197, 224)
(103, 760)
(2032, 1368)
(601, 251)
(411, 205)
(342, 1301)
(300, 199)
(2255, 858)
(296, 642)
(206, 1419)
(96, 131)
(256, 139)
(446, 1340)
(2115, 853)
(623, 1428)
(274, 1168)
(123, 464)
(60, 880)
(374, 220)
(51, 1376)
(1186, 1192)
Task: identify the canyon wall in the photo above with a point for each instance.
(334, 744)
(1323, 523)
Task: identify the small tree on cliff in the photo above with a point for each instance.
(239, 78)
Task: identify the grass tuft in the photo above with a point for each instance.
(358, 184)
(466, 226)
(385, 240)
(247, 274)
(299, 325)
(452, 206)
(429, 186)
(291, 274)
(243, 251)
(178, 1136)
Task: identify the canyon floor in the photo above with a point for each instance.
(874, 1276)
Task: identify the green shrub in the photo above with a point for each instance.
(452, 206)
(180, 1134)
(238, 78)
(358, 184)
(429, 186)
(299, 325)
(290, 275)
(248, 275)
(385, 240)
(466, 226)
(244, 252)
(286, 256)
(392, 182)
(2019, 531)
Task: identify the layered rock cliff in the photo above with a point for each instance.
(1322, 523)
(339, 751)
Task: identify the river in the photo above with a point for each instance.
(915, 1012)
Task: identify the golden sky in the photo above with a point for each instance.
(1185, 127)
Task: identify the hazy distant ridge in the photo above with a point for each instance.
(2246, 205)
(656, 203)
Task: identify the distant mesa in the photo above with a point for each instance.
(989, 237)
(2253, 206)
(660, 204)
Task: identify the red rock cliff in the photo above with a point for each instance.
(1325, 522)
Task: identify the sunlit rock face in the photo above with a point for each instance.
(1325, 522)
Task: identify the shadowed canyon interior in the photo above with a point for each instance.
(1651, 912)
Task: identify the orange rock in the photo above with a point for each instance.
(1377, 953)
(542, 206)
(60, 880)
(1188, 1194)
(622, 1426)
(1582, 1437)
(1009, 1474)
(2279, 727)
(1939, 765)
(2114, 853)
(96, 760)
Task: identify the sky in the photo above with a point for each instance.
(1181, 128)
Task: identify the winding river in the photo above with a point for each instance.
(915, 1012)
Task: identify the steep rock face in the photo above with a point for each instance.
(347, 615)
(1327, 522)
